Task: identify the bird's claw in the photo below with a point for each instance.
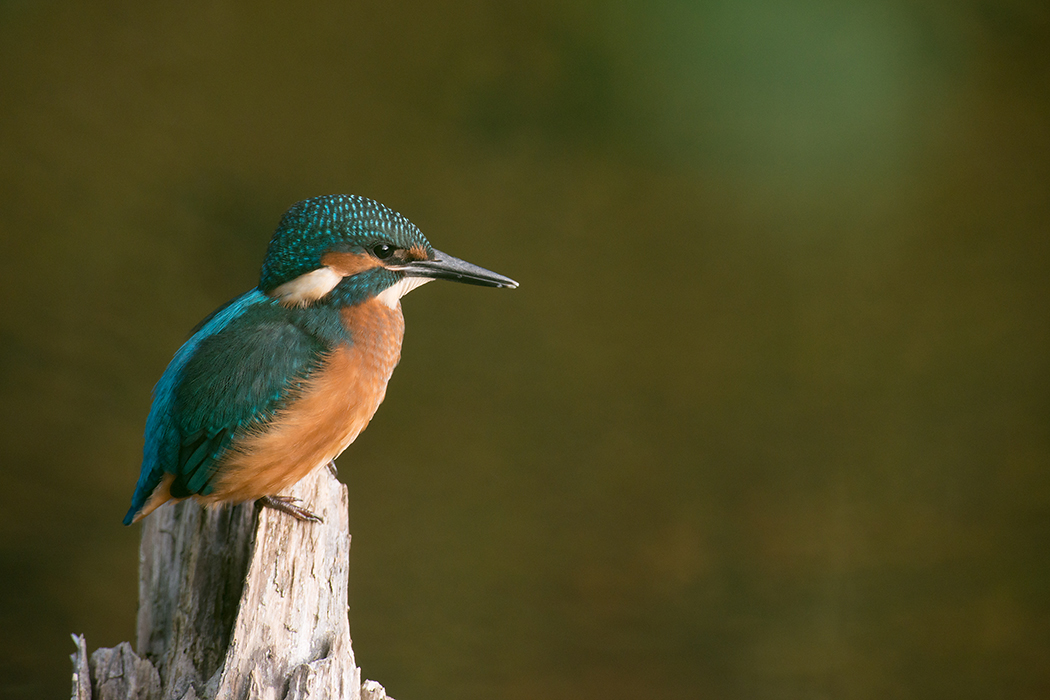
(290, 505)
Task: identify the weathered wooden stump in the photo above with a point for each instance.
(237, 602)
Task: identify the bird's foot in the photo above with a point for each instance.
(332, 468)
(290, 505)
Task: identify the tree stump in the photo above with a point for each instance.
(237, 602)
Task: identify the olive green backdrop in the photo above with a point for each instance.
(769, 416)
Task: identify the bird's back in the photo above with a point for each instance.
(260, 394)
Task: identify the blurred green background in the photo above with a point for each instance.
(769, 416)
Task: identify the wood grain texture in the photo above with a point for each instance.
(238, 602)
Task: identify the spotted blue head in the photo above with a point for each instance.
(345, 249)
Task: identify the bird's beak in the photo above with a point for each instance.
(446, 267)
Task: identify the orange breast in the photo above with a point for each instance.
(333, 407)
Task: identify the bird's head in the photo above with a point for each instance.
(360, 247)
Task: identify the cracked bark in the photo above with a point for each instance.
(237, 602)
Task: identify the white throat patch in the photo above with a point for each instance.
(391, 296)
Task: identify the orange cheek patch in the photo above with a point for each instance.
(418, 253)
(348, 264)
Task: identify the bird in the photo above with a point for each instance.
(279, 381)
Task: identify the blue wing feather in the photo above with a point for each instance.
(232, 373)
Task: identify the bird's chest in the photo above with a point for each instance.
(332, 407)
(356, 374)
(343, 396)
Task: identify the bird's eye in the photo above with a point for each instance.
(383, 251)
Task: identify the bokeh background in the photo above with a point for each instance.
(769, 416)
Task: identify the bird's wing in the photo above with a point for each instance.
(236, 380)
(232, 374)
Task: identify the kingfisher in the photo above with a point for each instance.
(279, 381)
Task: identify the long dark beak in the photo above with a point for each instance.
(446, 267)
